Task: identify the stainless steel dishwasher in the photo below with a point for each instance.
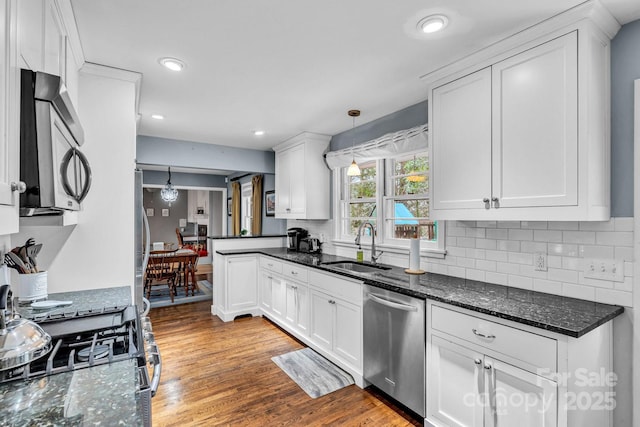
(394, 346)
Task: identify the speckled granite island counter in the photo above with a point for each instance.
(101, 395)
(564, 315)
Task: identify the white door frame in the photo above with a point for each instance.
(636, 270)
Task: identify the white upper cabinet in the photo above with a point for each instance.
(9, 126)
(302, 177)
(524, 133)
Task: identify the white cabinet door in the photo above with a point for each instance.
(242, 282)
(297, 177)
(54, 42)
(461, 143)
(290, 314)
(31, 34)
(535, 126)
(265, 290)
(519, 397)
(322, 318)
(455, 379)
(302, 309)
(278, 297)
(283, 183)
(348, 332)
(9, 129)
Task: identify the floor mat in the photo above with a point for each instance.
(312, 372)
(160, 295)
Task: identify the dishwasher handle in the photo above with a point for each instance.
(392, 304)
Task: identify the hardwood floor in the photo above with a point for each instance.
(216, 373)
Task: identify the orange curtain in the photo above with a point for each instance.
(235, 208)
(256, 202)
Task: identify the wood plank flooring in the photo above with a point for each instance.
(216, 373)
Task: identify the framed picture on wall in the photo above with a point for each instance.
(150, 211)
(270, 202)
(165, 212)
(229, 206)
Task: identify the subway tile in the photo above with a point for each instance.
(579, 291)
(485, 265)
(597, 225)
(534, 225)
(455, 231)
(554, 236)
(475, 275)
(615, 238)
(507, 267)
(611, 296)
(628, 269)
(486, 244)
(563, 249)
(594, 251)
(530, 271)
(466, 242)
(563, 225)
(561, 275)
(508, 245)
(627, 285)
(497, 256)
(572, 263)
(624, 253)
(437, 268)
(475, 253)
(596, 283)
(497, 278)
(466, 262)
(467, 224)
(532, 247)
(554, 261)
(456, 251)
(451, 241)
(579, 237)
(508, 224)
(547, 286)
(487, 224)
(516, 234)
(456, 271)
(520, 282)
(475, 232)
(623, 224)
(498, 233)
(520, 258)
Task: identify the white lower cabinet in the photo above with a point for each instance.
(235, 286)
(297, 306)
(278, 296)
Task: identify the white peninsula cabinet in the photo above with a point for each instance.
(524, 134)
(239, 295)
(486, 371)
(302, 177)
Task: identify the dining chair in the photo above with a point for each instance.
(161, 271)
(190, 282)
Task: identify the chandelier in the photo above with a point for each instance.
(168, 193)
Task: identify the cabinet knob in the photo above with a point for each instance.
(477, 361)
(486, 202)
(19, 186)
(487, 367)
(331, 301)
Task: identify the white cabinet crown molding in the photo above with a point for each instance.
(304, 136)
(65, 11)
(115, 73)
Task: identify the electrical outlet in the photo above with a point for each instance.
(604, 269)
(540, 261)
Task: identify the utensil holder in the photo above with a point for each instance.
(32, 287)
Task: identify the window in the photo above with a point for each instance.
(246, 209)
(393, 195)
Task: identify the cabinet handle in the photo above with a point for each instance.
(19, 186)
(295, 273)
(496, 202)
(331, 301)
(481, 335)
(270, 277)
(270, 265)
(486, 203)
(288, 210)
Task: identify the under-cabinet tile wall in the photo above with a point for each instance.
(503, 253)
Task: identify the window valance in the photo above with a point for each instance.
(402, 142)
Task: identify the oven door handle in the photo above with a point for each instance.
(157, 368)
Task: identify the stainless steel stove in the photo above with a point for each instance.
(91, 337)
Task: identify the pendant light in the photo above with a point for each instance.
(168, 193)
(415, 176)
(353, 170)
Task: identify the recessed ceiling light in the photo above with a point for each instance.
(172, 63)
(258, 132)
(433, 23)
(157, 116)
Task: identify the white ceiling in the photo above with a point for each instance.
(288, 66)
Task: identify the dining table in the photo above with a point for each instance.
(187, 260)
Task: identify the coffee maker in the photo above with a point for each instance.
(294, 237)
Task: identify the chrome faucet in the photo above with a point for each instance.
(374, 255)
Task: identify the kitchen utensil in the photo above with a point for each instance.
(32, 253)
(25, 260)
(15, 262)
(30, 242)
(21, 340)
(42, 305)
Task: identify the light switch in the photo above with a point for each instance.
(604, 269)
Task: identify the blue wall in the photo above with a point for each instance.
(184, 179)
(171, 152)
(625, 68)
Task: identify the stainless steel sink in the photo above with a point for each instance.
(356, 267)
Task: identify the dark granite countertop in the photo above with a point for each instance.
(86, 300)
(104, 395)
(564, 315)
(245, 237)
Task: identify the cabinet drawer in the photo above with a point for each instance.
(295, 272)
(334, 285)
(522, 345)
(271, 264)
